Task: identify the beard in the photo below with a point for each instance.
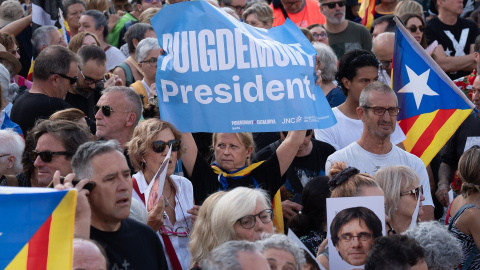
(335, 19)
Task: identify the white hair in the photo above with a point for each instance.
(144, 47)
(12, 144)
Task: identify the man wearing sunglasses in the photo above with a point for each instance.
(54, 73)
(378, 110)
(117, 114)
(343, 35)
(455, 36)
(55, 143)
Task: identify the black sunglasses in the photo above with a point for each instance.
(46, 156)
(90, 81)
(106, 110)
(332, 5)
(72, 80)
(413, 28)
(159, 146)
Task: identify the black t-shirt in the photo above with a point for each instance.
(31, 107)
(304, 168)
(133, 246)
(205, 180)
(468, 133)
(456, 39)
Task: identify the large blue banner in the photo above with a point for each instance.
(221, 75)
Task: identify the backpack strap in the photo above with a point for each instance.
(128, 73)
(474, 251)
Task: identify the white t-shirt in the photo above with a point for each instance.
(114, 57)
(348, 130)
(355, 156)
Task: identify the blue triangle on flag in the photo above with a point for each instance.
(22, 214)
(412, 64)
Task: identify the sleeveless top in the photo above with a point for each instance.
(467, 243)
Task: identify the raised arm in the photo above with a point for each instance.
(288, 149)
(16, 27)
(189, 152)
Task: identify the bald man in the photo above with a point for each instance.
(87, 255)
(383, 50)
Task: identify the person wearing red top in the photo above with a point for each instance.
(301, 12)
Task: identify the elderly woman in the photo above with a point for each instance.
(11, 150)
(83, 39)
(232, 166)
(442, 250)
(72, 10)
(327, 64)
(151, 141)
(282, 253)
(147, 54)
(94, 21)
(464, 222)
(258, 15)
(402, 189)
(240, 214)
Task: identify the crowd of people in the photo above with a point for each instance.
(79, 105)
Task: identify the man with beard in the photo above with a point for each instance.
(343, 35)
(91, 81)
(378, 109)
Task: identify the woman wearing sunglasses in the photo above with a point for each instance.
(232, 166)
(401, 186)
(464, 217)
(416, 26)
(147, 149)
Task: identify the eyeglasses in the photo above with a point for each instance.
(106, 110)
(89, 80)
(72, 80)
(321, 35)
(332, 5)
(386, 64)
(47, 156)
(248, 222)
(413, 28)
(159, 146)
(152, 62)
(380, 111)
(363, 236)
(417, 191)
(180, 231)
(237, 8)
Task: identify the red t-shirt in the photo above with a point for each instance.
(310, 14)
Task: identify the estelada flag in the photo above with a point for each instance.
(36, 228)
(432, 107)
(367, 12)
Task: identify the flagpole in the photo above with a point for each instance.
(444, 76)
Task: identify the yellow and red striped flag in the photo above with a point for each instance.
(367, 12)
(432, 106)
(36, 228)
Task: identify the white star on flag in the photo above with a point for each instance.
(417, 86)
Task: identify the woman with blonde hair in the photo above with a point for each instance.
(232, 166)
(401, 186)
(240, 214)
(408, 6)
(464, 222)
(202, 241)
(82, 39)
(258, 15)
(151, 141)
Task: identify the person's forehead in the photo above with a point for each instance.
(380, 27)
(368, 72)
(382, 99)
(476, 84)
(117, 98)
(93, 69)
(354, 225)
(109, 163)
(76, 6)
